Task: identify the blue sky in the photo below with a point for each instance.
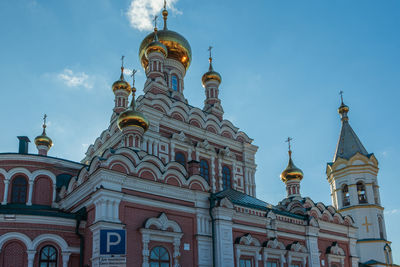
(282, 63)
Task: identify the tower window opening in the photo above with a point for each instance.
(346, 195)
(19, 190)
(380, 225)
(245, 263)
(362, 197)
(376, 194)
(226, 177)
(180, 158)
(174, 82)
(204, 170)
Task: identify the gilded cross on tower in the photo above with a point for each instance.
(366, 224)
(122, 61)
(341, 95)
(44, 120)
(288, 141)
(209, 50)
(133, 77)
(155, 21)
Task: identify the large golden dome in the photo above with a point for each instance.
(178, 47)
(132, 117)
(291, 172)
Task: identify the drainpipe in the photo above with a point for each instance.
(80, 215)
(212, 205)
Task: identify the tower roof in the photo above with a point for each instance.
(349, 143)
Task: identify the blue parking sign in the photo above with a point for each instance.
(112, 242)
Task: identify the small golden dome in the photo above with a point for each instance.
(291, 172)
(132, 117)
(43, 139)
(156, 46)
(211, 75)
(121, 83)
(178, 47)
(343, 109)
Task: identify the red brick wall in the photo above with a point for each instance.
(13, 254)
(42, 191)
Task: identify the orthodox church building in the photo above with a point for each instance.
(169, 184)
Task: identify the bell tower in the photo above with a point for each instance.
(352, 176)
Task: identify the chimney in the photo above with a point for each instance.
(23, 144)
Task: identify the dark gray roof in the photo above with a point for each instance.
(242, 199)
(349, 143)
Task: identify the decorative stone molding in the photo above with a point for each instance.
(335, 254)
(248, 246)
(161, 234)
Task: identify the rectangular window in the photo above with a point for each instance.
(272, 264)
(245, 263)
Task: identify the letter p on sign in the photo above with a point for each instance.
(112, 242)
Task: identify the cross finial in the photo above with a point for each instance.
(155, 21)
(165, 4)
(209, 50)
(341, 95)
(44, 124)
(122, 61)
(288, 141)
(133, 77)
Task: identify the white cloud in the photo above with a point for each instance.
(72, 79)
(393, 211)
(141, 12)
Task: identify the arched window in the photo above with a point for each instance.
(174, 82)
(376, 194)
(48, 257)
(19, 190)
(159, 257)
(204, 170)
(388, 256)
(346, 195)
(380, 225)
(362, 197)
(226, 177)
(180, 158)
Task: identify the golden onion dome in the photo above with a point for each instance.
(178, 47)
(121, 83)
(343, 108)
(132, 117)
(211, 75)
(43, 139)
(291, 172)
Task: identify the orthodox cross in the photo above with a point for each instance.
(44, 119)
(341, 95)
(133, 76)
(288, 141)
(165, 4)
(155, 21)
(209, 49)
(366, 224)
(122, 61)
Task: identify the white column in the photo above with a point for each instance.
(31, 257)
(30, 193)
(172, 151)
(144, 144)
(220, 174)
(189, 154)
(213, 173)
(54, 193)
(65, 258)
(234, 175)
(197, 155)
(6, 183)
(156, 144)
(150, 149)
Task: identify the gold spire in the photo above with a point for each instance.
(291, 172)
(165, 15)
(343, 109)
(133, 80)
(132, 118)
(121, 83)
(43, 139)
(210, 74)
(155, 45)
